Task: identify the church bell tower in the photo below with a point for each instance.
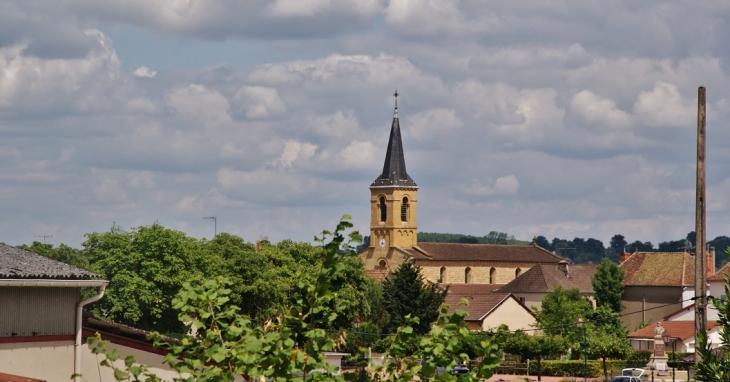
(393, 200)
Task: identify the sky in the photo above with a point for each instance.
(563, 119)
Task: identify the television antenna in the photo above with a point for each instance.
(44, 237)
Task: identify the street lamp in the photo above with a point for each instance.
(668, 337)
(584, 344)
(356, 324)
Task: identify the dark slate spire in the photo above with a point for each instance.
(394, 169)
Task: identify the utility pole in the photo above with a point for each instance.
(700, 264)
(215, 225)
(44, 237)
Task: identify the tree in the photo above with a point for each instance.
(406, 293)
(560, 311)
(145, 267)
(535, 347)
(640, 246)
(62, 253)
(605, 344)
(542, 242)
(721, 245)
(290, 347)
(608, 287)
(618, 244)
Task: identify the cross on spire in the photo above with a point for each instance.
(396, 103)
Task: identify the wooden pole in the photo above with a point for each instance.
(700, 265)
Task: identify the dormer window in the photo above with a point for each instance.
(383, 209)
(404, 210)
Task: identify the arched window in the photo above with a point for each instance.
(442, 274)
(404, 210)
(492, 275)
(382, 265)
(518, 272)
(467, 275)
(383, 209)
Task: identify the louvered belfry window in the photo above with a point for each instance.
(404, 210)
(383, 209)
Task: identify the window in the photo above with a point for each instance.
(383, 209)
(404, 210)
(522, 300)
(382, 265)
(442, 274)
(467, 275)
(518, 272)
(492, 276)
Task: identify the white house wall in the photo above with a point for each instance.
(509, 313)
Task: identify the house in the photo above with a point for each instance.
(488, 310)
(682, 334)
(394, 234)
(657, 283)
(43, 331)
(41, 305)
(531, 287)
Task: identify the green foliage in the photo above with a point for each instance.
(569, 368)
(290, 346)
(608, 287)
(535, 347)
(605, 344)
(406, 294)
(62, 253)
(492, 237)
(560, 311)
(714, 365)
(146, 267)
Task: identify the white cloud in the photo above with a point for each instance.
(198, 103)
(433, 124)
(664, 106)
(295, 151)
(359, 155)
(258, 102)
(596, 109)
(144, 71)
(505, 185)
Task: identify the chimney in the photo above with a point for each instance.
(624, 256)
(710, 262)
(563, 267)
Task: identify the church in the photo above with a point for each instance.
(394, 234)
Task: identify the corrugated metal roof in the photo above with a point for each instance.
(481, 252)
(16, 263)
(544, 278)
(659, 269)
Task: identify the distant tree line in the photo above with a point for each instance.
(592, 250)
(492, 237)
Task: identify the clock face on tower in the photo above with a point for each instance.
(382, 243)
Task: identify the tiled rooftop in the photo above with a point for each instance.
(659, 269)
(720, 275)
(479, 305)
(471, 289)
(543, 278)
(482, 252)
(676, 329)
(20, 264)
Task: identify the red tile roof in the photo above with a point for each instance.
(16, 378)
(720, 275)
(480, 306)
(482, 252)
(659, 269)
(676, 329)
(471, 289)
(543, 278)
